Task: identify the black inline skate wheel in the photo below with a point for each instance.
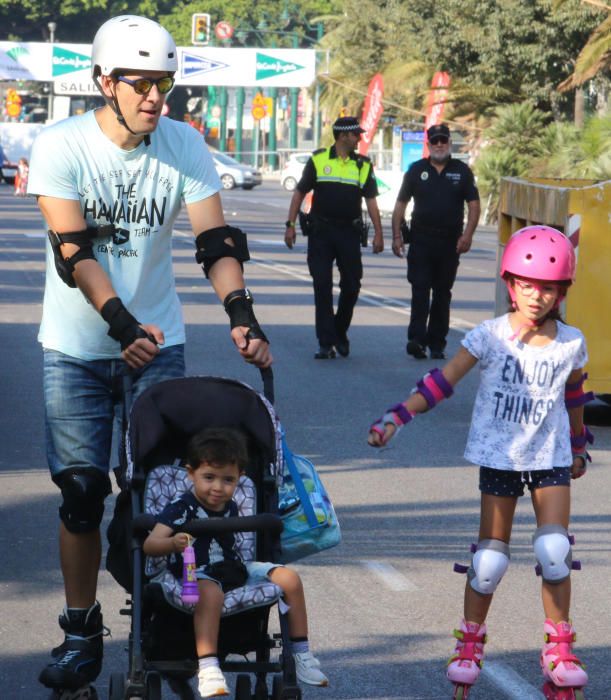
(242, 687)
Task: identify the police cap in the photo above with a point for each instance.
(438, 130)
(348, 124)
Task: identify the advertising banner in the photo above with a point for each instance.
(246, 67)
(372, 111)
(69, 66)
(436, 103)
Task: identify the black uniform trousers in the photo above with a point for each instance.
(432, 263)
(329, 242)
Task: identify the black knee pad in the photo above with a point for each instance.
(83, 491)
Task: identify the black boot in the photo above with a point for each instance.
(78, 661)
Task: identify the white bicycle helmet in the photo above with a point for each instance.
(132, 43)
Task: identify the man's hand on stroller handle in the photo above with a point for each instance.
(254, 350)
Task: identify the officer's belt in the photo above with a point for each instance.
(335, 222)
(435, 231)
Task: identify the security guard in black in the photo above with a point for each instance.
(440, 186)
(439, 198)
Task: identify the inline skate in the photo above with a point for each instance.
(563, 672)
(465, 665)
(77, 662)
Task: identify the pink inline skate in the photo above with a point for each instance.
(464, 666)
(563, 671)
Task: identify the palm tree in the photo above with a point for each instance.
(595, 57)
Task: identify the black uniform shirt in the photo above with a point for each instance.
(334, 200)
(439, 198)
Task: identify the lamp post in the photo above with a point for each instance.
(52, 26)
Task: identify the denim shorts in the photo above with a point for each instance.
(258, 571)
(83, 403)
(502, 482)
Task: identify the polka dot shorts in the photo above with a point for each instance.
(501, 482)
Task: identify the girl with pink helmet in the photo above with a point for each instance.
(527, 430)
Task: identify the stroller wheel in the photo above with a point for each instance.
(116, 688)
(152, 686)
(242, 687)
(87, 692)
(277, 687)
(261, 689)
(282, 692)
(181, 688)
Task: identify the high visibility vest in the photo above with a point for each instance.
(343, 172)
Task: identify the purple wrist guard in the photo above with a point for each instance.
(579, 442)
(434, 387)
(400, 412)
(396, 415)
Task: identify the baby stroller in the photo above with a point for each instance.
(161, 641)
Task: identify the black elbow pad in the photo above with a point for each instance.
(221, 242)
(84, 240)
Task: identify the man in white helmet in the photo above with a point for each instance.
(109, 184)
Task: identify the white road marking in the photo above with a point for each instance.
(389, 576)
(509, 682)
(368, 296)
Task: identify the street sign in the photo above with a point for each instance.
(258, 112)
(258, 100)
(223, 30)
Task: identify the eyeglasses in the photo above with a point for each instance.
(142, 86)
(438, 139)
(528, 288)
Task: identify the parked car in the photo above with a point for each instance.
(291, 172)
(235, 174)
(8, 171)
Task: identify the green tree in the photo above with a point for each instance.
(496, 51)
(595, 57)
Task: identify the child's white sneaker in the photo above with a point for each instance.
(308, 669)
(212, 682)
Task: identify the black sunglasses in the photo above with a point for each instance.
(439, 139)
(142, 86)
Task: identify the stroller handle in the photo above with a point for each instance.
(267, 377)
(267, 522)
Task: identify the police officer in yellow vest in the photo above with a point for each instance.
(339, 178)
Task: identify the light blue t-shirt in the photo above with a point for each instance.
(140, 193)
(519, 421)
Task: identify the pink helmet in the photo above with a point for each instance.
(540, 253)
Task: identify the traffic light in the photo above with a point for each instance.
(200, 28)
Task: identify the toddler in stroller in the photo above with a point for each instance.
(216, 457)
(162, 643)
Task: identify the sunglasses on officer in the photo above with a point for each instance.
(142, 86)
(438, 139)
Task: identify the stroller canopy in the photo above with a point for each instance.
(167, 414)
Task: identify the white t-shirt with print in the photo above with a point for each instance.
(140, 192)
(519, 421)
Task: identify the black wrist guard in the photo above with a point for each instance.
(122, 325)
(238, 306)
